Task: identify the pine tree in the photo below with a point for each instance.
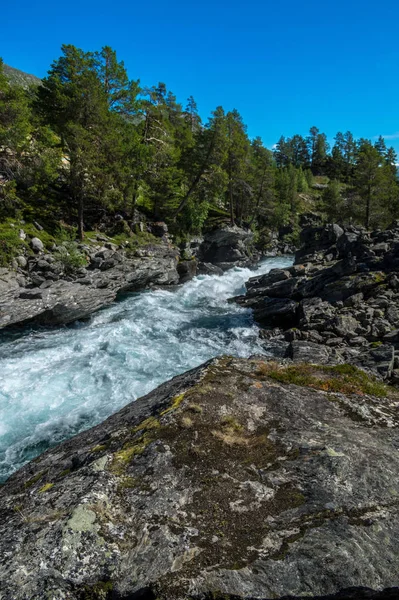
(380, 146)
(73, 100)
(262, 181)
(373, 181)
(236, 165)
(332, 202)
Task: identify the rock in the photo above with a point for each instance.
(66, 300)
(310, 352)
(345, 325)
(39, 227)
(313, 313)
(350, 304)
(313, 239)
(264, 281)
(380, 359)
(43, 265)
(34, 294)
(187, 269)
(209, 269)
(277, 312)
(22, 234)
(159, 229)
(36, 245)
(226, 247)
(222, 482)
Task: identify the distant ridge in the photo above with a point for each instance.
(17, 77)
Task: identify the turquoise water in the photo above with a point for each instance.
(55, 383)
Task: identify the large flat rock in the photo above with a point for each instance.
(222, 483)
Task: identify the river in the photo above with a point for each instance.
(55, 383)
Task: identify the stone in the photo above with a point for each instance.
(226, 247)
(36, 245)
(277, 312)
(159, 229)
(310, 352)
(209, 269)
(187, 269)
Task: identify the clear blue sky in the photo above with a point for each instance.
(284, 65)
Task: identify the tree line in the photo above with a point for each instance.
(89, 142)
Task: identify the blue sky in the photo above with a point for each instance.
(284, 65)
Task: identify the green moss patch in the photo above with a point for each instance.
(46, 488)
(345, 379)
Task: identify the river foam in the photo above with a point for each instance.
(55, 383)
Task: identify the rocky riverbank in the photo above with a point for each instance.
(239, 479)
(338, 303)
(47, 287)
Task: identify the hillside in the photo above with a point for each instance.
(17, 77)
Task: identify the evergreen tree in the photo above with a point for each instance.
(375, 183)
(73, 100)
(262, 181)
(236, 165)
(332, 202)
(380, 146)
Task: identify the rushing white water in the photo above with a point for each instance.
(56, 383)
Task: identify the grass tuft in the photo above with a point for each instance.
(345, 379)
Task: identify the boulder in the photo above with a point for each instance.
(209, 269)
(276, 312)
(187, 269)
(311, 352)
(226, 247)
(36, 245)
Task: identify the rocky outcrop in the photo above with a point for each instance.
(46, 287)
(341, 299)
(227, 247)
(45, 290)
(229, 481)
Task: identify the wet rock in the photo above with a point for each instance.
(187, 269)
(209, 269)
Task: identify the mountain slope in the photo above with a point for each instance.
(17, 77)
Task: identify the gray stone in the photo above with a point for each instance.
(36, 245)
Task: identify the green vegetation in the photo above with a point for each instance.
(70, 257)
(46, 488)
(34, 479)
(345, 379)
(87, 143)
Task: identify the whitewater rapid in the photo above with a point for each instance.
(55, 383)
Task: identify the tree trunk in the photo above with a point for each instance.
(80, 219)
(368, 205)
(231, 203)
